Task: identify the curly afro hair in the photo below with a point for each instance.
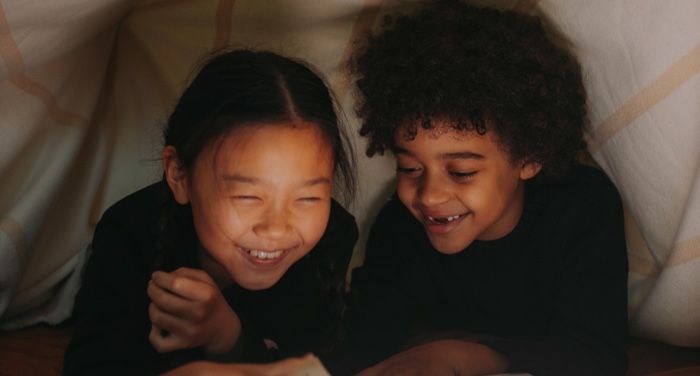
(478, 69)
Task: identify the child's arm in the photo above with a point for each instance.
(307, 365)
(188, 310)
(443, 357)
(110, 315)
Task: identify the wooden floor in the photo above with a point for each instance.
(39, 351)
(33, 351)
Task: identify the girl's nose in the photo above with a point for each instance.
(274, 224)
(432, 191)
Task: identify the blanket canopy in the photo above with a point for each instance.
(86, 86)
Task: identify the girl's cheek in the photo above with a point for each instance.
(233, 219)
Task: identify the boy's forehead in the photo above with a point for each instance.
(438, 129)
(457, 141)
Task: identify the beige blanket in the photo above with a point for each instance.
(85, 86)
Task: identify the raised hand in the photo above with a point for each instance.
(188, 310)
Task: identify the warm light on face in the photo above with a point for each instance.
(261, 199)
(461, 186)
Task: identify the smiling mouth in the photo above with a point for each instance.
(443, 225)
(264, 257)
(444, 220)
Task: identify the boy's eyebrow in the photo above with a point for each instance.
(236, 178)
(452, 155)
(462, 155)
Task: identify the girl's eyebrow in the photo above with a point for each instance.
(316, 181)
(240, 179)
(255, 181)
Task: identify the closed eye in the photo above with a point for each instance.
(246, 198)
(461, 176)
(309, 199)
(407, 170)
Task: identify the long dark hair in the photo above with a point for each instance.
(244, 87)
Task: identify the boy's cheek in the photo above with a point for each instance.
(406, 192)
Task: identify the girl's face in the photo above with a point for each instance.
(461, 186)
(261, 199)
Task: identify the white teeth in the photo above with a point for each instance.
(443, 219)
(263, 255)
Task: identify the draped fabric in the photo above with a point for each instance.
(86, 87)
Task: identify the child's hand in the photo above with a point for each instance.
(188, 310)
(443, 357)
(307, 365)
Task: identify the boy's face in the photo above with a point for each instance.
(461, 186)
(261, 199)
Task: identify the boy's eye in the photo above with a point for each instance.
(460, 175)
(407, 170)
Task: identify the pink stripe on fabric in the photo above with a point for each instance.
(12, 56)
(223, 23)
(668, 82)
(685, 252)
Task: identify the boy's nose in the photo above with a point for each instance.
(432, 192)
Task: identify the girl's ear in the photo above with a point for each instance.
(529, 170)
(175, 175)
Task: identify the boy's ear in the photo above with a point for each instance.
(530, 169)
(175, 175)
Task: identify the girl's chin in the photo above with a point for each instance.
(257, 282)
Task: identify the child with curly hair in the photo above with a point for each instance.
(498, 252)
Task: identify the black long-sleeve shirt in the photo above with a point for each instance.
(111, 311)
(551, 295)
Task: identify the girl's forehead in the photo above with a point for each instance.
(275, 141)
(255, 133)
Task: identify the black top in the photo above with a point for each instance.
(111, 310)
(551, 295)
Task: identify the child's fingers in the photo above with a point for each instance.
(196, 274)
(175, 304)
(186, 287)
(174, 325)
(164, 341)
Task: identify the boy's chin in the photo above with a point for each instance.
(448, 246)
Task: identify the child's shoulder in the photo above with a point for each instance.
(137, 209)
(582, 198)
(342, 227)
(585, 184)
(341, 216)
